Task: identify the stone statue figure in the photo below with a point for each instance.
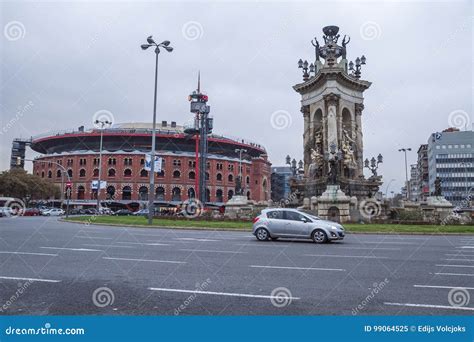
(239, 190)
(316, 156)
(332, 174)
(348, 150)
(316, 47)
(437, 184)
(344, 43)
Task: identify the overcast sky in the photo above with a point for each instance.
(63, 62)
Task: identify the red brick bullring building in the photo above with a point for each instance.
(123, 159)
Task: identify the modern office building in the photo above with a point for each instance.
(451, 157)
(413, 183)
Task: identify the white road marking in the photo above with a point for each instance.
(389, 242)
(299, 268)
(456, 274)
(221, 293)
(74, 249)
(93, 237)
(444, 287)
(432, 306)
(371, 248)
(466, 247)
(210, 251)
(31, 279)
(196, 239)
(106, 246)
(143, 243)
(455, 265)
(459, 259)
(146, 260)
(346, 256)
(28, 253)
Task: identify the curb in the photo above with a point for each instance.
(249, 230)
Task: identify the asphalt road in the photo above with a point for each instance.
(48, 267)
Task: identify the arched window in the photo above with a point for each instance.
(82, 173)
(160, 193)
(230, 194)
(58, 173)
(219, 195)
(247, 180)
(248, 195)
(126, 193)
(230, 178)
(69, 172)
(207, 175)
(208, 195)
(110, 173)
(50, 174)
(143, 173)
(191, 193)
(110, 192)
(176, 174)
(161, 174)
(219, 177)
(95, 173)
(143, 193)
(127, 173)
(80, 192)
(192, 175)
(176, 194)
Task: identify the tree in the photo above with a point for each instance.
(20, 184)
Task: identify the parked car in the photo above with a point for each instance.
(6, 212)
(142, 212)
(293, 223)
(105, 211)
(31, 212)
(123, 212)
(43, 210)
(53, 212)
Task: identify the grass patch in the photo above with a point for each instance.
(350, 227)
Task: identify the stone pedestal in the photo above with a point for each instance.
(238, 206)
(334, 205)
(437, 206)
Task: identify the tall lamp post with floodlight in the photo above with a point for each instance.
(102, 124)
(404, 150)
(240, 151)
(165, 45)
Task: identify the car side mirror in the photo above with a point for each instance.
(304, 219)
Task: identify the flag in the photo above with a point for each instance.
(148, 163)
(103, 184)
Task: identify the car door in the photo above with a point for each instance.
(298, 224)
(276, 223)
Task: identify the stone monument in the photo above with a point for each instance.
(332, 105)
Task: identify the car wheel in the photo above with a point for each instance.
(262, 234)
(319, 236)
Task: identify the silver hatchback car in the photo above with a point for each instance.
(292, 223)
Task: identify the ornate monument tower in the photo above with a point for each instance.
(332, 105)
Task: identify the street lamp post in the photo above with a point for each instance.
(239, 151)
(404, 150)
(388, 185)
(165, 44)
(102, 123)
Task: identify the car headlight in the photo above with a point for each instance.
(333, 228)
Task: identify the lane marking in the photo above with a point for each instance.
(29, 253)
(459, 259)
(146, 260)
(469, 247)
(346, 256)
(74, 249)
(144, 243)
(210, 251)
(444, 287)
(93, 237)
(31, 279)
(390, 242)
(230, 294)
(299, 268)
(432, 306)
(456, 274)
(105, 246)
(196, 239)
(455, 265)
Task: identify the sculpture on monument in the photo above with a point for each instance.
(332, 105)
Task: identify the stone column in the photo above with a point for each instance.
(359, 107)
(332, 129)
(306, 137)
